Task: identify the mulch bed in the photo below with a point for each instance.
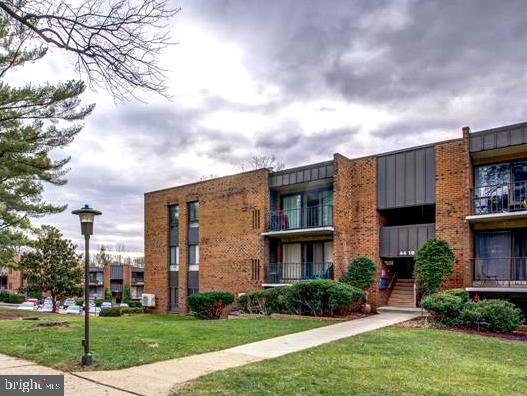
(10, 315)
(425, 323)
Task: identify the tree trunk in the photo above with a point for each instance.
(54, 302)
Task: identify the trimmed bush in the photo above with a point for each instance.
(434, 262)
(323, 297)
(209, 305)
(135, 304)
(12, 298)
(495, 315)
(461, 293)
(114, 311)
(360, 273)
(266, 301)
(445, 307)
(132, 311)
(4, 296)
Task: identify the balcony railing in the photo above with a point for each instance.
(499, 198)
(299, 218)
(136, 281)
(291, 272)
(500, 271)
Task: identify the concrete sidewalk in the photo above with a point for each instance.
(73, 385)
(158, 379)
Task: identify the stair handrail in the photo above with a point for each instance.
(393, 278)
(415, 293)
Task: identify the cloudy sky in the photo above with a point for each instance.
(300, 79)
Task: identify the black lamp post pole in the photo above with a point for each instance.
(87, 358)
(86, 215)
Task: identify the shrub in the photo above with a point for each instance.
(461, 293)
(323, 297)
(266, 301)
(360, 273)
(209, 305)
(114, 311)
(495, 315)
(134, 304)
(4, 296)
(16, 298)
(132, 311)
(127, 295)
(98, 302)
(445, 307)
(107, 294)
(434, 262)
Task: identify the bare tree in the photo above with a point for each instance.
(263, 161)
(116, 42)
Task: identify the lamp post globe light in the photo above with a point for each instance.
(86, 216)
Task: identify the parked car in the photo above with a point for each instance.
(124, 305)
(32, 300)
(69, 302)
(73, 310)
(106, 304)
(94, 310)
(46, 307)
(27, 306)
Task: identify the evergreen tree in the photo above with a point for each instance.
(53, 266)
(34, 120)
(102, 258)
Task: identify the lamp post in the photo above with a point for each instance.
(86, 216)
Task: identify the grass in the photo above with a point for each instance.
(391, 361)
(132, 340)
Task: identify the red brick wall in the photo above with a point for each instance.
(356, 220)
(453, 181)
(127, 275)
(228, 240)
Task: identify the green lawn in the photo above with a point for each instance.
(132, 340)
(391, 361)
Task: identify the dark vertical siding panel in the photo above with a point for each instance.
(409, 178)
(390, 181)
(412, 239)
(420, 176)
(430, 175)
(381, 182)
(394, 242)
(383, 243)
(399, 180)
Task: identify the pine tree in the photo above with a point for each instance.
(53, 266)
(34, 120)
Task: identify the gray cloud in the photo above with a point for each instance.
(433, 65)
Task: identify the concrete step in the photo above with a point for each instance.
(388, 308)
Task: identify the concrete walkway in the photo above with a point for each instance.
(158, 379)
(73, 385)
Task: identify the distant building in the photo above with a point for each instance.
(114, 278)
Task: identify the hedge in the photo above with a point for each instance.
(320, 297)
(12, 298)
(266, 301)
(132, 311)
(495, 315)
(453, 307)
(360, 273)
(209, 305)
(324, 297)
(446, 307)
(114, 311)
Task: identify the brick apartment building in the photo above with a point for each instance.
(261, 229)
(11, 280)
(115, 278)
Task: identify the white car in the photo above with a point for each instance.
(73, 310)
(69, 302)
(106, 304)
(124, 305)
(94, 310)
(27, 306)
(46, 308)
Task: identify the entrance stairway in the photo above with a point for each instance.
(402, 294)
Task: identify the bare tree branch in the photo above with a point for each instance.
(263, 161)
(117, 42)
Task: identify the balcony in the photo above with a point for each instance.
(311, 219)
(138, 281)
(502, 201)
(500, 272)
(286, 273)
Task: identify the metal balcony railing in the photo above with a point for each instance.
(500, 271)
(291, 272)
(299, 218)
(499, 198)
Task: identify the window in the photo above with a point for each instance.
(193, 254)
(193, 214)
(174, 258)
(174, 216)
